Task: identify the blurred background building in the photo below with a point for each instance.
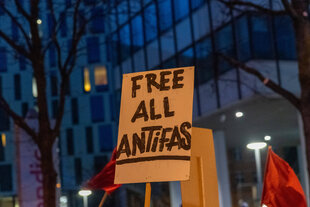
(144, 35)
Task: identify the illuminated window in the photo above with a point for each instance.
(101, 78)
(87, 85)
(34, 88)
(3, 139)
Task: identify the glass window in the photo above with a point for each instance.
(78, 170)
(6, 178)
(2, 146)
(165, 14)
(74, 111)
(105, 138)
(99, 163)
(50, 24)
(125, 42)
(137, 32)
(114, 54)
(17, 87)
(196, 3)
(93, 49)
(101, 78)
(97, 23)
(54, 108)
(224, 43)
(63, 24)
(204, 61)
(70, 141)
(97, 108)
(285, 38)
(15, 34)
(261, 37)
(4, 121)
(170, 63)
(22, 62)
(112, 107)
(86, 79)
(181, 9)
(54, 83)
(24, 109)
(186, 58)
(52, 55)
(150, 24)
(1, 9)
(3, 60)
(123, 13)
(89, 139)
(243, 38)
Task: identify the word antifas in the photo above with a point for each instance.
(156, 139)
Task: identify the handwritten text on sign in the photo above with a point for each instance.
(154, 138)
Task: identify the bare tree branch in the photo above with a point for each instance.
(22, 10)
(267, 82)
(17, 119)
(19, 48)
(288, 7)
(233, 4)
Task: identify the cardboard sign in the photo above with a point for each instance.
(154, 140)
(201, 190)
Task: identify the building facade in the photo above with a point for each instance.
(141, 35)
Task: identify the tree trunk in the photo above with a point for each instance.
(302, 33)
(49, 173)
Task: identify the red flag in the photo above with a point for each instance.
(281, 185)
(104, 180)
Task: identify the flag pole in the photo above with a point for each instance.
(147, 200)
(104, 197)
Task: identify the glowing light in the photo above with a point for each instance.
(267, 138)
(239, 114)
(84, 192)
(58, 185)
(264, 205)
(87, 85)
(39, 21)
(3, 139)
(256, 145)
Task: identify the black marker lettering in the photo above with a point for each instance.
(153, 116)
(163, 80)
(141, 114)
(163, 138)
(136, 141)
(172, 143)
(151, 129)
(135, 87)
(151, 81)
(123, 147)
(166, 108)
(177, 78)
(154, 145)
(186, 134)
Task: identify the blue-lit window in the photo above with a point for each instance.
(89, 139)
(97, 108)
(196, 3)
(150, 25)
(170, 63)
(186, 58)
(181, 9)
(78, 170)
(105, 137)
(113, 49)
(6, 183)
(2, 2)
(52, 55)
(3, 60)
(165, 14)
(17, 87)
(125, 41)
(54, 108)
(113, 107)
(68, 3)
(4, 121)
(224, 43)
(25, 108)
(93, 49)
(63, 24)
(204, 61)
(70, 141)
(97, 23)
(74, 111)
(22, 62)
(15, 34)
(54, 83)
(243, 38)
(137, 32)
(285, 37)
(50, 24)
(261, 37)
(123, 13)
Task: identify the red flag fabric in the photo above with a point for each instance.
(281, 185)
(104, 180)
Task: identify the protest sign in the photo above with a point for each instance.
(154, 140)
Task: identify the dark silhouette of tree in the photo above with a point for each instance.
(298, 11)
(33, 45)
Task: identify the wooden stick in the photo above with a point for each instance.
(104, 197)
(147, 201)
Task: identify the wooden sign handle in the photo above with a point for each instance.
(103, 199)
(147, 201)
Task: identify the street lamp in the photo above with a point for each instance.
(256, 146)
(85, 194)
